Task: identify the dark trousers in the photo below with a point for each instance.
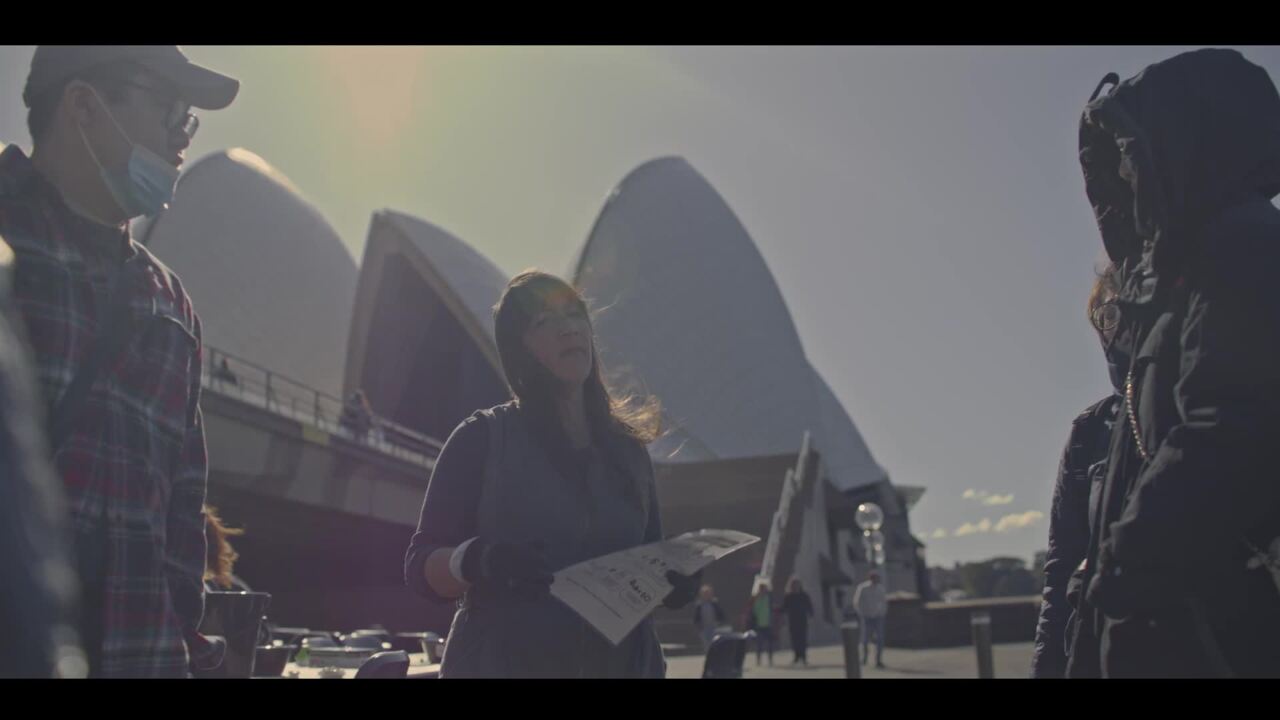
(764, 638)
(800, 639)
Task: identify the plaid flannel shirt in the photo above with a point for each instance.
(134, 466)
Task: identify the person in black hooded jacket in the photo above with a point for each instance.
(1075, 495)
(1180, 164)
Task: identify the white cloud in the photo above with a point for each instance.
(983, 526)
(985, 497)
(1018, 521)
(938, 534)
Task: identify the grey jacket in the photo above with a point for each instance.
(524, 499)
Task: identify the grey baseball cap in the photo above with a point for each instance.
(200, 86)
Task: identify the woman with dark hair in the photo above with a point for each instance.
(556, 476)
(798, 608)
(1076, 494)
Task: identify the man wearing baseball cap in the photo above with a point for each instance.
(115, 339)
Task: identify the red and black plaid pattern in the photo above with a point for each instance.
(134, 465)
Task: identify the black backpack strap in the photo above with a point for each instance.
(113, 336)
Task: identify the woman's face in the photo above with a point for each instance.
(559, 338)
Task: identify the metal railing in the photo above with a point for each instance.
(791, 486)
(235, 377)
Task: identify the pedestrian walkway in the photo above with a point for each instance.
(1012, 660)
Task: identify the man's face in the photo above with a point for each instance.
(149, 113)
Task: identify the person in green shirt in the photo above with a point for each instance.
(760, 619)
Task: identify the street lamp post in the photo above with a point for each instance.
(870, 518)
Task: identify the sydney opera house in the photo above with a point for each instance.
(685, 309)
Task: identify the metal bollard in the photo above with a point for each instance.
(850, 634)
(980, 620)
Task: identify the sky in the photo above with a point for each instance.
(921, 209)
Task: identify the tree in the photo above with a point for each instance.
(997, 577)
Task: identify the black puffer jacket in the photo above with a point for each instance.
(1075, 497)
(1181, 162)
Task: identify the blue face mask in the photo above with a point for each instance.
(146, 186)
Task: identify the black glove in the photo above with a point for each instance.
(520, 567)
(684, 589)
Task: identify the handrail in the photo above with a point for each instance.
(791, 485)
(232, 376)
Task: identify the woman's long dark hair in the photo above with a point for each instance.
(533, 387)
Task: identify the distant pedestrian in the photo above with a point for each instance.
(872, 605)
(798, 608)
(760, 619)
(708, 616)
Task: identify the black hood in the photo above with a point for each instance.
(1170, 148)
